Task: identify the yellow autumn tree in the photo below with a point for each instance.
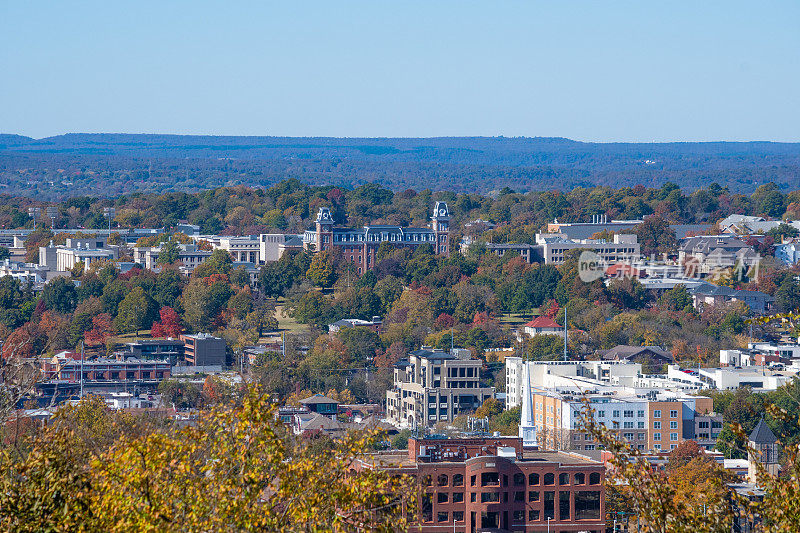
(236, 470)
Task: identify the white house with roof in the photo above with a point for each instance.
(542, 325)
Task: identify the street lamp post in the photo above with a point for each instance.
(548, 523)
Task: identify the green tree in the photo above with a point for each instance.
(169, 254)
(321, 271)
(168, 286)
(783, 230)
(240, 277)
(675, 299)
(361, 343)
(137, 311)
(787, 297)
(202, 303)
(11, 300)
(312, 308)
(219, 262)
(60, 295)
(545, 347)
(655, 236)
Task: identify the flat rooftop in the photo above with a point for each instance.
(400, 459)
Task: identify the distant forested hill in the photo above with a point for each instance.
(113, 164)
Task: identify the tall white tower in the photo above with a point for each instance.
(527, 422)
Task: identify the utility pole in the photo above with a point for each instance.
(81, 396)
(565, 332)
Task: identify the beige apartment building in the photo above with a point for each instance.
(433, 385)
(656, 421)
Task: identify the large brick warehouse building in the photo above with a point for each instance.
(493, 484)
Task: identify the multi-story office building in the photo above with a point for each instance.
(561, 396)
(709, 252)
(202, 349)
(496, 484)
(64, 370)
(550, 248)
(542, 374)
(245, 249)
(360, 245)
(656, 422)
(272, 246)
(26, 273)
(432, 385)
(189, 256)
(159, 349)
(76, 250)
(623, 248)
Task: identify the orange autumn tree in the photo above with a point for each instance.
(102, 329)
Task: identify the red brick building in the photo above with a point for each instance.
(360, 245)
(493, 484)
(67, 367)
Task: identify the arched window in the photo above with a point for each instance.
(549, 479)
(580, 478)
(519, 479)
(594, 478)
(441, 480)
(458, 480)
(563, 479)
(533, 479)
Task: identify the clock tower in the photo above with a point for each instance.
(441, 228)
(324, 225)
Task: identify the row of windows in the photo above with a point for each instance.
(672, 436)
(672, 425)
(657, 413)
(615, 414)
(586, 505)
(493, 478)
(392, 237)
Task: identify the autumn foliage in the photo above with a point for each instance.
(169, 326)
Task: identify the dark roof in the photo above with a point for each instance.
(510, 246)
(709, 289)
(623, 352)
(317, 398)
(708, 243)
(433, 354)
(761, 434)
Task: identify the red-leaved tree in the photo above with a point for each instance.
(169, 326)
(102, 329)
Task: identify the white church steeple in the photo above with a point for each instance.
(527, 422)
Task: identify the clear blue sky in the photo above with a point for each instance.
(590, 70)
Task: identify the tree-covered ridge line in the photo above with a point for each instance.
(71, 164)
(290, 205)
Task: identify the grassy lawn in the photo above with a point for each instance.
(515, 319)
(287, 323)
(131, 337)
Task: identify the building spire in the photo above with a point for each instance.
(527, 423)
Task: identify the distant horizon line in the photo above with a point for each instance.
(432, 137)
